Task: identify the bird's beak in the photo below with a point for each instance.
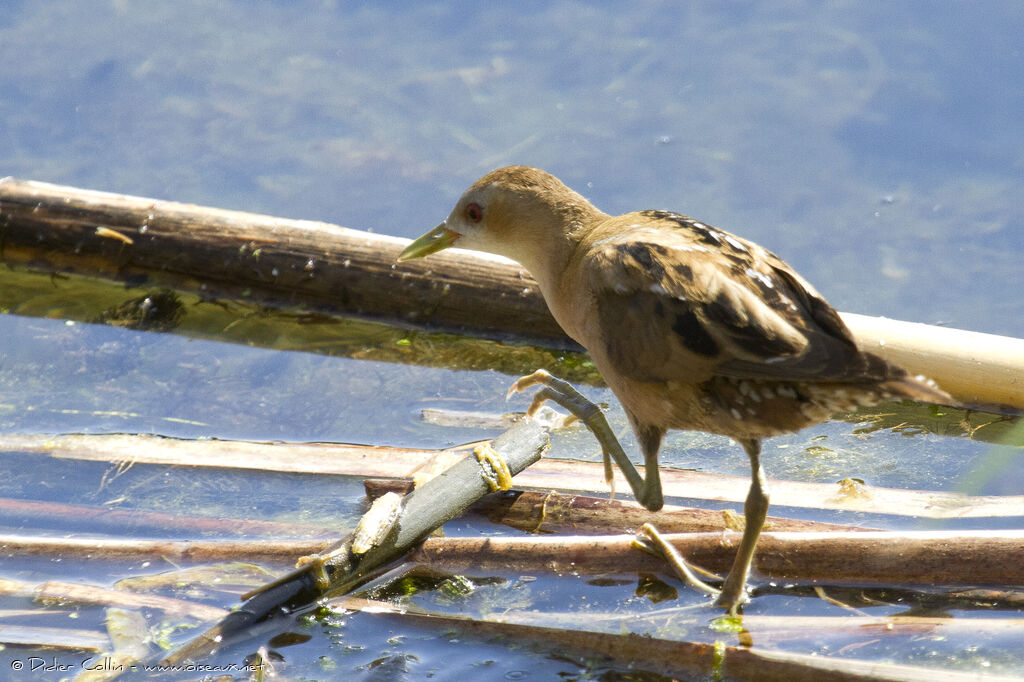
(437, 239)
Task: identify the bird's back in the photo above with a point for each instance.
(685, 315)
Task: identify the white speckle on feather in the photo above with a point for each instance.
(736, 414)
(760, 277)
(735, 244)
(657, 289)
(786, 392)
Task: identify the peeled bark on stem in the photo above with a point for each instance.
(977, 369)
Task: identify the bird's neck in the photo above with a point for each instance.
(547, 249)
(552, 262)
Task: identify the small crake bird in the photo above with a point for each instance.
(691, 327)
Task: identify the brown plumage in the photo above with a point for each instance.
(692, 327)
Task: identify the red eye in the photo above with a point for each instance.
(474, 213)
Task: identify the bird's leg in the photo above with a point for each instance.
(650, 438)
(754, 511)
(647, 491)
(733, 592)
(649, 538)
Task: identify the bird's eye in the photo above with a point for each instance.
(474, 213)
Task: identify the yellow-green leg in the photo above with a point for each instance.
(733, 592)
(755, 509)
(648, 489)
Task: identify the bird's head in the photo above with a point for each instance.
(518, 212)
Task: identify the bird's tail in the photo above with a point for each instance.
(916, 387)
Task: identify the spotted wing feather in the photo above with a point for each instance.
(680, 300)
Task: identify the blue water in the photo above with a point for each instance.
(875, 146)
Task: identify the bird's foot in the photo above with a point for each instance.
(652, 541)
(540, 376)
(493, 468)
(733, 593)
(562, 393)
(555, 390)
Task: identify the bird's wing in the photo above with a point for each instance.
(678, 302)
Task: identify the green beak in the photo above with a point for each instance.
(437, 239)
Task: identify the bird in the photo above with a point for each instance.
(691, 327)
